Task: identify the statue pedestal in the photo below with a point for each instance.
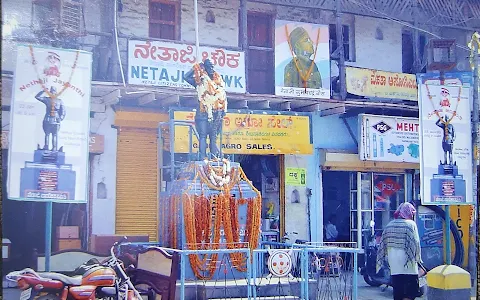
(48, 177)
(448, 185)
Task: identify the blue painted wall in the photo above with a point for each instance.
(328, 133)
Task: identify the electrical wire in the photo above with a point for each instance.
(386, 16)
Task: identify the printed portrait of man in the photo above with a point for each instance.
(303, 48)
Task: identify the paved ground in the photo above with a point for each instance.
(365, 292)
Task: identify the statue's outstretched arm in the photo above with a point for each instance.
(41, 99)
(190, 77)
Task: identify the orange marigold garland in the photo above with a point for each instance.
(202, 215)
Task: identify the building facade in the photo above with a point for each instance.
(129, 101)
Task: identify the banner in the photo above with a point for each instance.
(445, 142)
(50, 121)
(302, 60)
(155, 63)
(246, 133)
(385, 138)
(381, 84)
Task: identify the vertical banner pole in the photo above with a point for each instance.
(197, 41)
(447, 234)
(48, 235)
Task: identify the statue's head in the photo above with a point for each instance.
(301, 43)
(53, 90)
(207, 64)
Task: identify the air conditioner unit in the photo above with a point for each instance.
(58, 18)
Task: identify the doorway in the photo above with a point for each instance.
(336, 206)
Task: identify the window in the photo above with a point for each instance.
(260, 54)
(163, 21)
(408, 53)
(348, 47)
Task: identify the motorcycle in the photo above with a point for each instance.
(55, 286)
(383, 277)
(93, 280)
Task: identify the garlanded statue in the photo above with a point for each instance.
(212, 104)
(302, 71)
(54, 115)
(448, 139)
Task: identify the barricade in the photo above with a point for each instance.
(335, 267)
(317, 271)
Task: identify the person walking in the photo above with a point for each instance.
(400, 246)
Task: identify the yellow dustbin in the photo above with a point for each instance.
(448, 282)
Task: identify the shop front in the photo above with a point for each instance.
(366, 188)
(270, 147)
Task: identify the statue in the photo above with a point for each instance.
(212, 105)
(301, 64)
(448, 139)
(54, 114)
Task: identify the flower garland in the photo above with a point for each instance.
(202, 214)
(65, 85)
(446, 123)
(211, 92)
(307, 75)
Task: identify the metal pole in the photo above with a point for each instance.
(341, 59)
(244, 30)
(447, 233)
(474, 252)
(355, 275)
(48, 235)
(197, 40)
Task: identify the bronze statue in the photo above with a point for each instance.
(302, 48)
(54, 115)
(212, 105)
(448, 139)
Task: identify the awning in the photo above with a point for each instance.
(337, 160)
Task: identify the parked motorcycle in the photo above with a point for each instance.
(93, 280)
(56, 286)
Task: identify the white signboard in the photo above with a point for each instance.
(50, 121)
(155, 63)
(386, 138)
(445, 143)
(302, 60)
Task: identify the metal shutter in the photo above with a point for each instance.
(137, 183)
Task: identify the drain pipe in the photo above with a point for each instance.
(309, 197)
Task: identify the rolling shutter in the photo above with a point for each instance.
(137, 183)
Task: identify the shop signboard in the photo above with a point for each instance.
(388, 138)
(381, 84)
(296, 176)
(445, 142)
(253, 133)
(158, 63)
(50, 122)
(302, 60)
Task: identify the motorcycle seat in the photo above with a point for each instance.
(76, 280)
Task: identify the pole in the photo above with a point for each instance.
(48, 235)
(197, 40)
(447, 233)
(341, 59)
(474, 251)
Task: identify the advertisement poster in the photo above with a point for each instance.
(155, 63)
(388, 192)
(445, 142)
(50, 122)
(381, 84)
(296, 176)
(253, 133)
(302, 60)
(386, 138)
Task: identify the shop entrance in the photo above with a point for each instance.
(264, 172)
(361, 197)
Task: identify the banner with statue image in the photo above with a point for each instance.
(302, 60)
(50, 122)
(445, 140)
